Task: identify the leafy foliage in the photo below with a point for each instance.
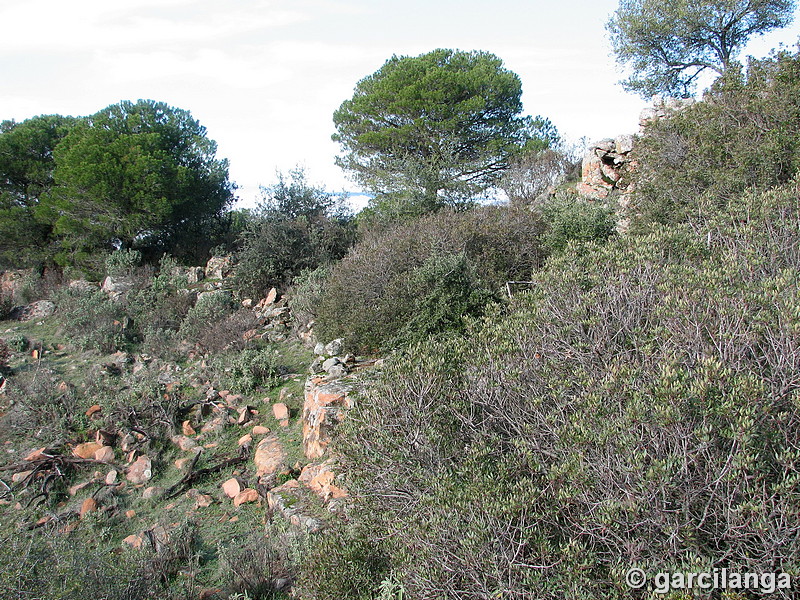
(668, 45)
(298, 226)
(638, 407)
(210, 308)
(90, 319)
(743, 135)
(574, 220)
(434, 130)
(26, 175)
(410, 279)
(134, 172)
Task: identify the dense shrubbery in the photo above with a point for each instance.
(90, 319)
(743, 135)
(55, 566)
(574, 220)
(297, 227)
(411, 279)
(247, 370)
(638, 407)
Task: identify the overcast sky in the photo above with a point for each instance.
(265, 76)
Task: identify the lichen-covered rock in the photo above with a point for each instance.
(219, 267)
(324, 407)
(140, 471)
(270, 457)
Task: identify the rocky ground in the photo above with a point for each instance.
(135, 472)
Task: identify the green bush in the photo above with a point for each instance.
(298, 227)
(40, 409)
(6, 305)
(160, 301)
(5, 354)
(54, 565)
(576, 220)
(209, 309)
(638, 407)
(123, 263)
(249, 369)
(17, 342)
(342, 565)
(253, 564)
(744, 134)
(306, 293)
(404, 281)
(90, 320)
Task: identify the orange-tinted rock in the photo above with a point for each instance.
(245, 414)
(324, 407)
(151, 492)
(86, 450)
(260, 430)
(232, 487)
(37, 454)
(93, 409)
(187, 428)
(320, 479)
(104, 454)
(130, 514)
(134, 541)
(245, 440)
(182, 462)
(281, 411)
(201, 500)
(74, 489)
(89, 505)
(140, 471)
(269, 456)
(245, 496)
(184, 443)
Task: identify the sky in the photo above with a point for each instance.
(265, 76)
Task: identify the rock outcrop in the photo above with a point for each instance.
(325, 406)
(608, 165)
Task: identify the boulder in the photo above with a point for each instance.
(270, 457)
(37, 310)
(104, 454)
(86, 450)
(219, 267)
(290, 501)
(184, 443)
(324, 407)
(334, 347)
(141, 471)
(201, 500)
(231, 487)
(320, 478)
(195, 275)
(38, 454)
(245, 496)
(89, 505)
(280, 410)
(115, 287)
